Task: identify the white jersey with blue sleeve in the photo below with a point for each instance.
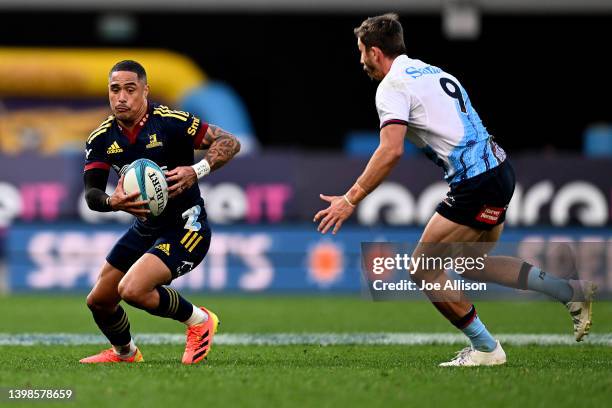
(439, 117)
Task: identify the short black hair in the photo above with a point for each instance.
(384, 32)
(131, 66)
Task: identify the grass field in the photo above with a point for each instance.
(311, 374)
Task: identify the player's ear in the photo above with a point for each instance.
(373, 52)
(378, 54)
(146, 90)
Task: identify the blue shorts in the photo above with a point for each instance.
(181, 247)
(481, 201)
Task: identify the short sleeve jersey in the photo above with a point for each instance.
(167, 137)
(439, 117)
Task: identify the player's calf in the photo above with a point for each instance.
(115, 325)
(172, 305)
(201, 323)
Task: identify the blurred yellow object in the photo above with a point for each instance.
(48, 130)
(74, 73)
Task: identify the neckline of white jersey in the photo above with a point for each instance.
(396, 61)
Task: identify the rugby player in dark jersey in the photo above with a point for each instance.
(154, 250)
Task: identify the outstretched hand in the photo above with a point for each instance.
(333, 216)
(180, 179)
(121, 201)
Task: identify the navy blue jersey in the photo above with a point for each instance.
(167, 137)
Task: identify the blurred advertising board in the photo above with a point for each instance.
(67, 256)
(275, 188)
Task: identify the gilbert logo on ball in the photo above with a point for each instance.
(146, 177)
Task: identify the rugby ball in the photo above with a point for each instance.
(148, 178)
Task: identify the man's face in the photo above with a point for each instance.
(369, 60)
(127, 95)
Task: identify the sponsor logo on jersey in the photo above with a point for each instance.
(165, 248)
(490, 215)
(114, 148)
(194, 127)
(153, 141)
(449, 200)
(184, 268)
(418, 72)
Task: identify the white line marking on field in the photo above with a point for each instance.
(284, 339)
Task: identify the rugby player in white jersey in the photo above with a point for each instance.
(428, 106)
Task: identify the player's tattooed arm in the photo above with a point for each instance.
(221, 145)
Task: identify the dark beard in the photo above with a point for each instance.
(370, 72)
(127, 121)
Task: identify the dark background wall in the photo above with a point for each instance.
(537, 81)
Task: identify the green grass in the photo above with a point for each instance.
(371, 376)
(320, 376)
(258, 314)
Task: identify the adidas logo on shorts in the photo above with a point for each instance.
(165, 248)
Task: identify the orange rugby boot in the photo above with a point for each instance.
(200, 339)
(109, 356)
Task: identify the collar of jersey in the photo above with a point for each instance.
(133, 134)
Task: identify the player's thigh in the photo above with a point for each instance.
(480, 202)
(493, 234)
(130, 247)
(175, 252)
(435, 244)
(489, 238)
(440, 229)
(105, 291)
(145, 274)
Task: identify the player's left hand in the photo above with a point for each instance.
(180, 179)
(334, 215)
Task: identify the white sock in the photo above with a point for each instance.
(126, 351)
(197, 317)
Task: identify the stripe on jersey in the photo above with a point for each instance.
(101, 129)
(394, 122)
(97, 165)
(164, 112)
(199, 137)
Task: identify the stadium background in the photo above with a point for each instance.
(285, 77)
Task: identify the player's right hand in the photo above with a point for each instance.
(121, 201)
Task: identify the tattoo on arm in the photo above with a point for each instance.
(221, 145)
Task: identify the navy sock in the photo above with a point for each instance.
(115, 327)
(172, 305)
